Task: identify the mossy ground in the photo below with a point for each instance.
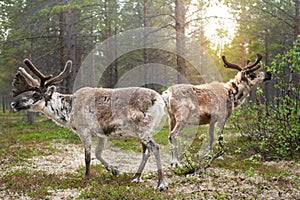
(235, 177)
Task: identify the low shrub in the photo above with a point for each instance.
(271, 129)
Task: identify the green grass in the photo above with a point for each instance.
(161, 137)
(129, 144)
(102, 185)
(36, 184)
(109, 187)
(133, 143)
(20, 141)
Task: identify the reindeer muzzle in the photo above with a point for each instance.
(19, 104)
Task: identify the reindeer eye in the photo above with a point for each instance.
(252, 76)
(37, 96)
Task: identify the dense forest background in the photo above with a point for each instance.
(261, 138)
(50, 32)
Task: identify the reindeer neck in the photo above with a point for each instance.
(238, 91)
(59, 108)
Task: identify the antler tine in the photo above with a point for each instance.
(253, 68)
(39, 74)
(251, 65)
(23, 82)
(28, 77)
(59, 78)
(231, 65)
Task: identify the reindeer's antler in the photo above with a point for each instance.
(250, 67)
(24, 82)
(231, 65)
(47, 80)
(37, 72)
(32, 81)
(59, 78)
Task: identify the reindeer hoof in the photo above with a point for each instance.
(175, 164)
(114, 170)
(208, 156)
(136, 180)
(220, 157)
(162, 186)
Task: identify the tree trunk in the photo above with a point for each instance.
(62, 39)
(3, 104)
(115, 69)
(296, 19)
(30, 116)
(70, 44)
(180, 39)
(70, 40)
(145, 38)
(268, 89)
(111, 73)
(108, 34)
(296, 35)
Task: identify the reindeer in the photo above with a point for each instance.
(209, 103)
(94, 111)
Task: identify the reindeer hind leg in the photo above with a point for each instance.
(154, 147)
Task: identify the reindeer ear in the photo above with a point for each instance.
(50, 91)
(241, 75)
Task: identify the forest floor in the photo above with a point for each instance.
(51, 166)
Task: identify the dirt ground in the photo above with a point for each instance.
(215, 182)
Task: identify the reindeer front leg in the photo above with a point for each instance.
(154, 147)
(101, 141)
(86, 139)
(221, 125)
(211, 132)
(210, 154)
(87, 154)
(146, 155)
(172, 138)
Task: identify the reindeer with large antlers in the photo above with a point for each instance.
(94, 111)
(209, 103)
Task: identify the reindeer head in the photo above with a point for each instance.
(38, 93)
(247, 74)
